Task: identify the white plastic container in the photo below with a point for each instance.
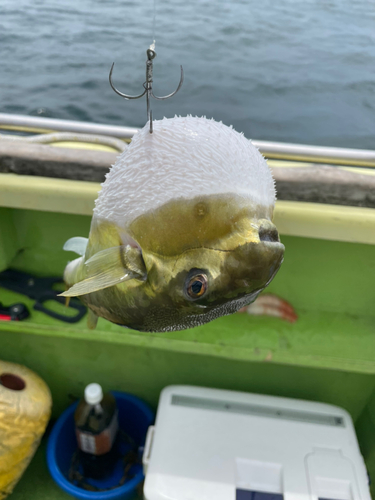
(210, 444)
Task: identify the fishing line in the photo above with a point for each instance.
(147, 86)
(152, 46)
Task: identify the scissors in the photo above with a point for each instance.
(41, 290)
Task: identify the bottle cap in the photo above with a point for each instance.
(93, 394)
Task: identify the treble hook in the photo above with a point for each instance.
(151, 54)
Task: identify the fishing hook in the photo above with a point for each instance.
(151, 54)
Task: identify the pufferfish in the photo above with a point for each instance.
(182, 230)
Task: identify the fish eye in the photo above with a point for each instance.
(196, 286)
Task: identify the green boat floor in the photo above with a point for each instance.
(316, 339)
(328, 355)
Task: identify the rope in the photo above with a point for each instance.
(112, 142)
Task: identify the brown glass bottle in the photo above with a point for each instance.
(96, 430)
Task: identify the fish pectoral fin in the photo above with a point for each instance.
(92, 320)
(77, 245)
(123, 257)
(108, 268)
(98, 282)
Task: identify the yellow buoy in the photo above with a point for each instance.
(25, 408)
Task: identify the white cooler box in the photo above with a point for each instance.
(210, 444)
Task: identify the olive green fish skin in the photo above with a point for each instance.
(233, 243)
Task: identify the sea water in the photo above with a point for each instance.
(290, 70)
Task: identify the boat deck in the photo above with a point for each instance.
(328, 355)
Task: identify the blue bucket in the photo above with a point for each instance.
(135, 417)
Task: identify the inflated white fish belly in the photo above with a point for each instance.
(184, 157)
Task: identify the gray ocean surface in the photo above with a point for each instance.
(289, 70)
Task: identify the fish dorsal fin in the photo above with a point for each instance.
(77, 245)
(108, 268)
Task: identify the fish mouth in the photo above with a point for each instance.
(273, 249)
(249, 269)
(268, 232)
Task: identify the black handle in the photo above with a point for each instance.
(74, 303)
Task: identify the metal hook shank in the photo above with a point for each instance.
(125, 96)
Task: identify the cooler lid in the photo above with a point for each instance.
(210, 444)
